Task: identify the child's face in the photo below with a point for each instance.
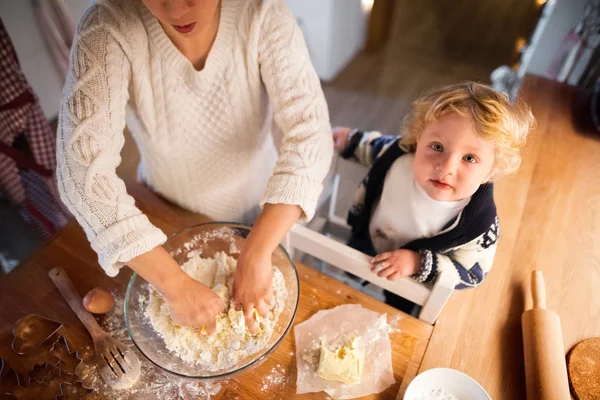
(452, 160)
(187, 18)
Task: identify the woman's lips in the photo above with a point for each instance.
(440, 185)
(185, 28)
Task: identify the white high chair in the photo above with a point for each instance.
(308, 238)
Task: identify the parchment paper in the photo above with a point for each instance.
(338, 326)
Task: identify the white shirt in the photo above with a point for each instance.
(405, 212)
(204, 136)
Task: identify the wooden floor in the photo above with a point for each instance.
(431, 43)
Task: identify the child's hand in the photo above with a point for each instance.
(340, 137)
(396, 264)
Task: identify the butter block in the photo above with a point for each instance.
(344, 364)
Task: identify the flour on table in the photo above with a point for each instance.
(232, 342)
(394, 324)
(436, 394)
(154, 383)
(275, 379)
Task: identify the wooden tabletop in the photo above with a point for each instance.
(28, 290)
(550, 220)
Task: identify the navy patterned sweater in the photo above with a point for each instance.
(466, 246)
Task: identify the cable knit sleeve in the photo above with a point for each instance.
(299, 108)
(470, 262)
(90, 137)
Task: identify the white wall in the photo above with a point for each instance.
(349, 33)
(77, 8)
(313, 17)
(334, 30)
(559, 17)
(37, 64)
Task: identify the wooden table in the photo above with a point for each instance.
(28, 290)
(550, 219)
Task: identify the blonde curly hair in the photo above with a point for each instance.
(495, 118)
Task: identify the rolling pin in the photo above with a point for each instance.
(545, 363)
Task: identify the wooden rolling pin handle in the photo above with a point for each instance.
(538, 289)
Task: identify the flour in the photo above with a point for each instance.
(114, 322)
(225, 233)
(276, 379)
(232, 343)
(394, 324)
(153, 383)
(436, 394)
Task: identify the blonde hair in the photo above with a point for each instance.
(495, 118)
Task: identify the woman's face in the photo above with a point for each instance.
(185, 17)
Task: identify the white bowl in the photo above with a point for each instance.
(451, 381)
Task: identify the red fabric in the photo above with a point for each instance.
(35, 195)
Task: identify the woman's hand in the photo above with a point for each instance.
(253, 281)
(189, 301)
(397, 264)
(340, 137)
(253, 287)
(193, 304)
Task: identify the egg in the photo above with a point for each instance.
(98, 301)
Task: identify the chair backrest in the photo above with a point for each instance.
(432, 297)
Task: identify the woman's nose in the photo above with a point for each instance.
(178, 8)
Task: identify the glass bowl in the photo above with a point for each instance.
(209, 238)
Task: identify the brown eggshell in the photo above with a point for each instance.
(98, 301)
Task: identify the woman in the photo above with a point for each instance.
(198, 84)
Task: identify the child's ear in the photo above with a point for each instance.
(493, 173)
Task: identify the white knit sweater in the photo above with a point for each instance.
(204, 137)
